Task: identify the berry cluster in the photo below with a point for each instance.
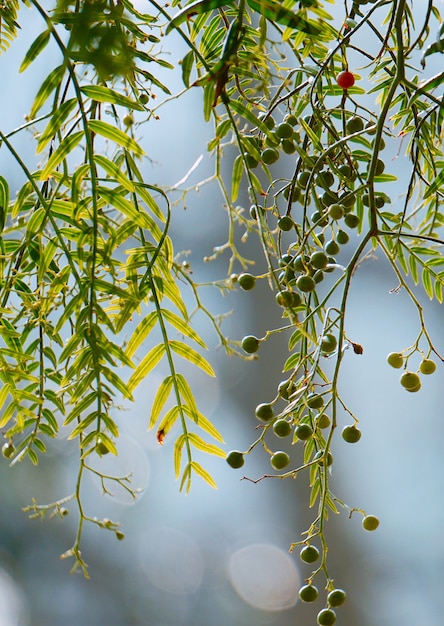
(411, 381)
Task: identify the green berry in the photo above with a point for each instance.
(322, 420)
(342, 237)
(285, 223)
(284, 130)
(8, 449)
(288, 146)
(351, 220)
(303, 179)
(336, 597)
(285, 389)
(427, 366)
(264, 412)
(370, 522)
(351, 434)
(410, 381)
(332, 247)
(326, 617)
(279, 460)
(304, 432)
(320, 456)
(284, 298)
(281, 428)
(250, 344)
(143, 98)
(269, 156)
(395, 359)
(315, 401)
(319, 260)
(101, 447)
(308, 593)
(380, 167)
(336, 211)
(329, 343)
(268, 121)
(291, 119)
(235, 459)
(246, 281)
(305, 283)
(309, 554)
(251, 161)
(325, 179)
(354, 125)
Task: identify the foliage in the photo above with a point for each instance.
(85, 241)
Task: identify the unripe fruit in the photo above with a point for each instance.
(332, 247)
(319, 260)
(427, 366)
(288, 146)
(264, 412)
(250, 344)
(370, 522)
(325, 179)
(380, 167)
(285, 389)
(284, 130)
(410, 381)
(305, 283)
(279, 460)
(320, 456)
(351, 220)
(101, 448)
(303, 179)
(322, 420)
(336, 597)
(336, 211)
(326, 617)
(351, 434)
(284, 298)
(308, 593)
(309, 554)
(329, 343)
(270, 156)
(8, 449)
(268, 121)
(315, 401)
(281, 428)
(128, 120)
(291, 119)
(395, 359)
(345, 79)
(342, 237)
(251, 161)
(354, 125)
(246, 281)
(304, 432)
(285, 223)
(143, 98)
(235, 459)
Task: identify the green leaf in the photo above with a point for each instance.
(202, 445)
(202, 6)
(182, 326)
(200, 471)
(46, 88)
(55, 123)
(99, 93)
(186, 393)
(187, 66)
(168, 421)
(65, 147)
(203, 423)
(236, 177)
(437, 184)
(186, 478)
(275, 12)
(34, 49)
(141, 332)
(4, 202)
(178, 447)
(127, 208)
(116, 135)
(148, 363)
(186, 352)
(160, 398)
(427, 282)
(80, 407)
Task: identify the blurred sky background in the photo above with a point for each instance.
(220, 558)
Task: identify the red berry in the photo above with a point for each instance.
(345, 80)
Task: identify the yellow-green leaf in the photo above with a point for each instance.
(34, 50)
(99, 93)
(178, 447)
(182, 326)
(200, 471)
(186, 392)
(159, 400)
(148, 363)
(67, 145)
(204, 446)
(114, 171)
(203, 423)
(141, 332)
(55, 123)
(186, 352)
(168, 421)
(46, 88)
(115, 134)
